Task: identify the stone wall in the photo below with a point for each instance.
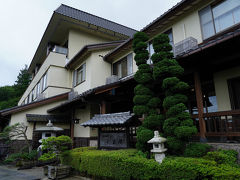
(227, 146)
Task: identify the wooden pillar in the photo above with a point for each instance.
(103, 107)
(72, 124)
(199, 99)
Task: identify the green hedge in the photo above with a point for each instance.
(127, 164)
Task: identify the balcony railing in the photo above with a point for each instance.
(61, 50)
(222, 123)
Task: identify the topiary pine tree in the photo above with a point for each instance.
(178, 125)
(144, 100)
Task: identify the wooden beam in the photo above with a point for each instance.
(103, 107)
(199, 99)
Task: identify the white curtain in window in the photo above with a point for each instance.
(130, 64)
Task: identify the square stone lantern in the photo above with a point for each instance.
(158, 146)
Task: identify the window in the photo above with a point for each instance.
(34, 92)
(124, 67)
(150, 46)
(38, 89)
(32, 95)
(219, 17)
(79, 75)
(44, 82)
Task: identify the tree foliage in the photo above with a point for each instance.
(178, 125)
(16, 131)
(169, 115)
(10, 95)
(55, 146)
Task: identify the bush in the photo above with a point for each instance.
(196, 150)
(142, 90)
(223, 156)
(140, 109)
(21, 157)
(153, 121)
(183, 132)
(141, 99)
(130, 164)
(55, 146)
(50, 156)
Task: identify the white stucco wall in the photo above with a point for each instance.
(83, 115)
(221, 87)
(97, 70)
(20, 117)
(78, 39)
(54, 62)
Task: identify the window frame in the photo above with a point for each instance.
(211, 6)
(83, 69)
(119, 64)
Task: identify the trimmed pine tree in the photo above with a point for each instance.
(178, 125)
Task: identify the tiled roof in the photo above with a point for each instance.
(46, 118)
(95, 20)
(109, 119)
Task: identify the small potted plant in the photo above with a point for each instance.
(54, 147)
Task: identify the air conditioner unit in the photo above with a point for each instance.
(40, 97)
(185, 45)
(72, 95)
(112, 79)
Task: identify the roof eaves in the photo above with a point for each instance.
(90, 47)
(107, 24)
(15, 109)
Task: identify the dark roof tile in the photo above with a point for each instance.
(109, 119)
(95, 20)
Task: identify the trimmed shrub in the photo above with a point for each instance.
(142, 90)
(141, 99)
(183, 132)
(196, 150)
(140, 109)
(153, 121)
(173, 100)
(129, 164)
(154, 102)
(223, 157)
(142, 77)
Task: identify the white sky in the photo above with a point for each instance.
(23, 22)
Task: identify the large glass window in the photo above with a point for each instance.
(81, 74)
(219, 17)
(124, 67)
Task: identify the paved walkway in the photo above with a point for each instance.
(11, 173)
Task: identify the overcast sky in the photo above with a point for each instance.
(23, 22)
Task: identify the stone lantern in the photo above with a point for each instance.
(47, 131)
(158, 146)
